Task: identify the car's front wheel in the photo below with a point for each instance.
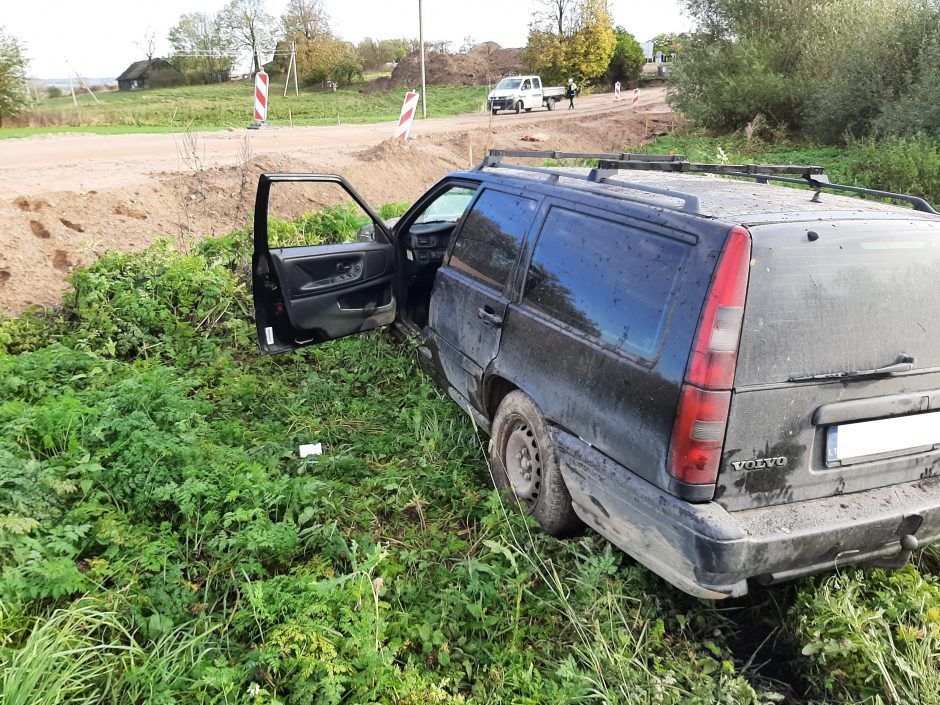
(525, 465)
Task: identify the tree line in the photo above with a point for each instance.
(206, 45)
(573, 38)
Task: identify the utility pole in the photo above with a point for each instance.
(424, 88)
(290, 64)
(82, 82)
(293, 58)
(291, 67)
(72, 88)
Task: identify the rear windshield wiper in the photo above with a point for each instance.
(904, 363)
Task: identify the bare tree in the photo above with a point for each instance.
(556, 16)
(249, 27)
(148, 44)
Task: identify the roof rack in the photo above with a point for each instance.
(611, 164)
(495, 156)
(690, 202)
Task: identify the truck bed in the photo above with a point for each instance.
(553, 92)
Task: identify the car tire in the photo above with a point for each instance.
(550, 103)
(525, 465)
(518, 107)
(493, 111)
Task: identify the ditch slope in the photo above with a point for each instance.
(67, 199)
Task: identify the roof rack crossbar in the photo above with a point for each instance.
(609, 165)
(495, 156)
(770, 172)
(687, 167)
(690, 202)
(917, 203)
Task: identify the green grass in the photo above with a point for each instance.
(231, 105)
(10, 132)
(162, 542)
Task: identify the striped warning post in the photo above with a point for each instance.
(407, 116)
(636, 98)
(261, 96)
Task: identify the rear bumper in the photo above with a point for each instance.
(712, 553)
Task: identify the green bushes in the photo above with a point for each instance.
(873, 638)
(156, 303)
(917, 110)
(747, 84)
(834, 71)
(902, 164)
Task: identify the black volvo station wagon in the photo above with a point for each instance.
(732, 381)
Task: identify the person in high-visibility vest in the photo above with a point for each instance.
(571, 90)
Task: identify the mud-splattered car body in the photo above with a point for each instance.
(742, 381)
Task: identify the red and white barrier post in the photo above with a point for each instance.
(636, 98)
(407, 116)
(261, 97)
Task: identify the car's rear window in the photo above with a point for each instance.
(606, 279)
(855, 297)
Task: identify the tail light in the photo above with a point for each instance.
(705, 398)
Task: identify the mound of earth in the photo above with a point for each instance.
(65, 201)
(485, 63)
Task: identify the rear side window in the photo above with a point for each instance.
(606, 279)
(489, 241)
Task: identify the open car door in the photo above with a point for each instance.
(306, 294)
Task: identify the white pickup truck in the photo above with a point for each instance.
(523, 93)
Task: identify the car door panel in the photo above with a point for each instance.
(310, 294)
(336, 290)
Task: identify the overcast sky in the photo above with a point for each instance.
(97, 36)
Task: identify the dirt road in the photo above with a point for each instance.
(67, 198)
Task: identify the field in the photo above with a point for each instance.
(162, 542)
(229, 105)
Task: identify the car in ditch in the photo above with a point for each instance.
(733, 381)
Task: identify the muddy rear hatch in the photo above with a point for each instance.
(837, 387)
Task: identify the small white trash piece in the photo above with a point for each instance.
(308, 449)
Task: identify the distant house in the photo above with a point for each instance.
(152, 73)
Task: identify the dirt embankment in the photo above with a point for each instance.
(64, 201)
(484, 64)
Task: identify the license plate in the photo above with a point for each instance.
(869, 440)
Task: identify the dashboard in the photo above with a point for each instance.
(425, 246)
